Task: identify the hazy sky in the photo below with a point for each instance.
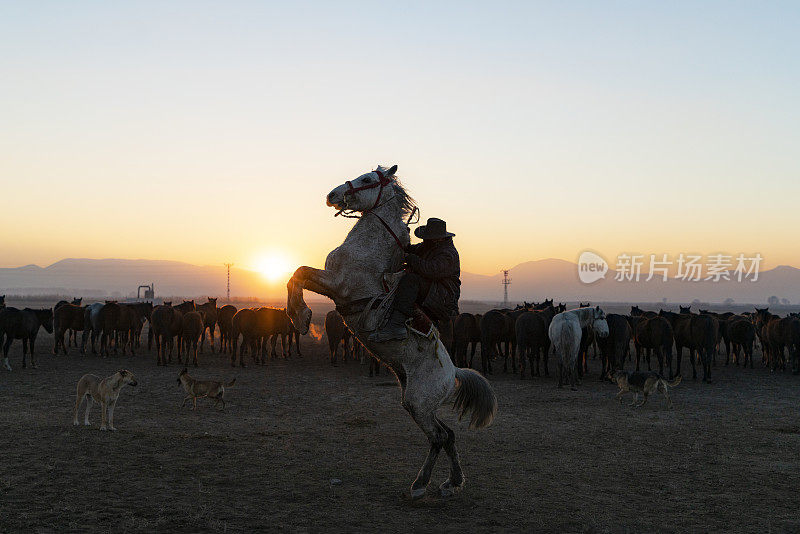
(211, 132)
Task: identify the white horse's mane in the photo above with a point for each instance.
(407, 203)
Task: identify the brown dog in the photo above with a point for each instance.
(105, 392)
(202, 388)
(644, 382)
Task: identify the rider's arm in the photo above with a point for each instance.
(440, 265)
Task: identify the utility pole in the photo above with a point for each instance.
(228, 265)
(506, 283)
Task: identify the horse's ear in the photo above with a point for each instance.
(392, 170)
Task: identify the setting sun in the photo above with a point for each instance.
(274, 267)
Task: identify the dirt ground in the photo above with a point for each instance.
(727, 458)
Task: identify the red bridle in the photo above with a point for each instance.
(382, 182)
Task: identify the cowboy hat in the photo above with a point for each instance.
(433, 229)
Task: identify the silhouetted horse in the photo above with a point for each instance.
(66, 317)
(654, 334)
(697, 333)
(338, 334)
(24, 325)
(742, 335)
(636, 311)
(127, 325)
(466, 330)
(246, 323)
(209, 310)
(71, 335)
(192, 328)
(224, 320)
(532, 339)
(780, 333)
(615, 347)
(143, 312)
(108, 320)
(166, 322)
(724, 334)
(270, 324)
(495, 328)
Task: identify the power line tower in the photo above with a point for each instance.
(228, 265)
(506, 283)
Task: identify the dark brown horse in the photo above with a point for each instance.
(698, 334)
(742, 334)
(192, 328)
(654, 335)
(532, 339)
(636, 311)
(466, 330)
(127, 325)
(244, 323)
(724, 334)
(615, 347)
(338, 334)
(66, 317)
(274, 324)
(71, 334)
(224, 320)
(209, 310)
(109, 320)
(780, 334)
(166, 322)
(24, 325)
(495, 328)
(142, 312)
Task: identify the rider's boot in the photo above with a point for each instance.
(395, 328)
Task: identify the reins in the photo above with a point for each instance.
(382, 182)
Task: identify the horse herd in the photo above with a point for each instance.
(117, 327)
(524, 331)
(519, 336)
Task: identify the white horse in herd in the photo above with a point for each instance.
(565, 333)
(354, 276)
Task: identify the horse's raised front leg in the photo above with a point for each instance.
(316, 280)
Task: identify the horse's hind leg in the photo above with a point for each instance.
(6, 345)
(32, 342)
(456, 479)
(437, 437)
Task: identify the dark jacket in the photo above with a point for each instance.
(437, 261)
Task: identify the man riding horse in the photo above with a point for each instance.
(354, 275)
(431, 281)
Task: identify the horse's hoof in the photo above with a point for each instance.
(448, 489)
(75, 423)
(417, 493)
(103, 428)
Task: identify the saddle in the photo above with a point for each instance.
(419, 323)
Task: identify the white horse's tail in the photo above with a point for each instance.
(474, 396)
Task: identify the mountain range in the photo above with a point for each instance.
(531, 281)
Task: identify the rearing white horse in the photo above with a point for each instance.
(353, 277)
